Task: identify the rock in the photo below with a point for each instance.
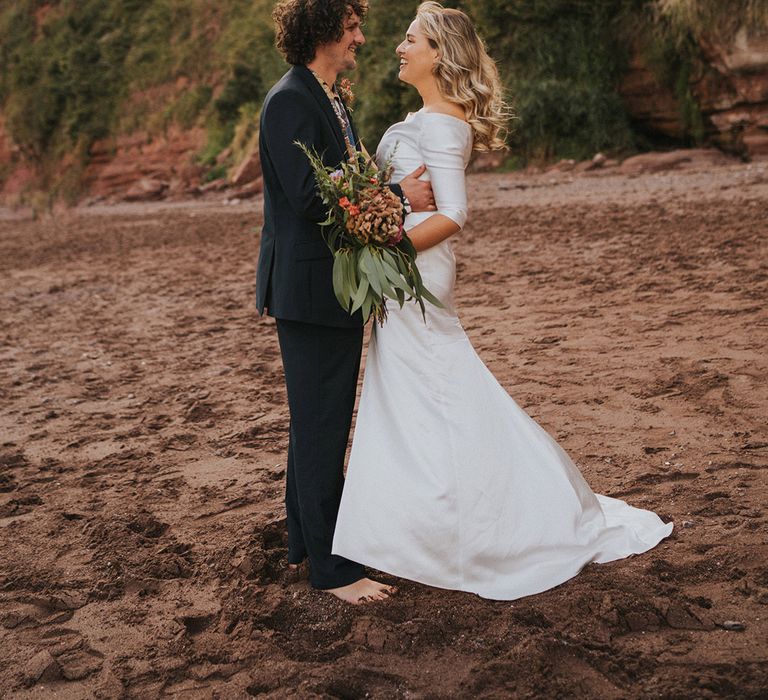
(733, 626)
(224, 156)
(648, 100)
(730, 90)
(653, 162)
(252, 189)
(146, 190)
(755, 141)
(176, 188)
(249, 168)
(597, 162)
(485, 162)
(660, 162)
(41, 667)
(563, 166)
(116, 165)
(214, 185)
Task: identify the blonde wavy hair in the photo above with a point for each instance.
(466, 74)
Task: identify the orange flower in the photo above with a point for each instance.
(353, 210)
(344, 203)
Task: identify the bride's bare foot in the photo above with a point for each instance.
(363, 591)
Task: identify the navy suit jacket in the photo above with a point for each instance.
(294, 274)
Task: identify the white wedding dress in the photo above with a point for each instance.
(450, 483)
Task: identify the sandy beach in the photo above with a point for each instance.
(143, 435)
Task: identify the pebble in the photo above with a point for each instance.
(733, 626)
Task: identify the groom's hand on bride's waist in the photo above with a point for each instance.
(418, 192)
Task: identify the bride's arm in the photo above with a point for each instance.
(434, 230)
(443, 143)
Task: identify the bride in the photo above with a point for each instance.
(450, 483)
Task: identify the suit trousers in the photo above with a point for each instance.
(321, 365)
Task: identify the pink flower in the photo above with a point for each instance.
(394, 240)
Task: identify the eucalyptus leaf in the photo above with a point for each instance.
(339, 260)
(395, 278)
(431, 298)
(381, 276)
(360, 295)
(366, 309)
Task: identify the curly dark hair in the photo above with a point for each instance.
(303, 25)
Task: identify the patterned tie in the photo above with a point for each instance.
(341, 113)
(341, 116)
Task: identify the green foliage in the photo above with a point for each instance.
(219, 137)
(190, 104)
(373, 256)
(381, 98)
(561, 61)
(60, 82)
(215, 173)
(246, 134)
(674, 56)
(695, 18)
(244, 87)
(66, 72)
(72, 71)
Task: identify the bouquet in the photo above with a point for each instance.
(374, 260)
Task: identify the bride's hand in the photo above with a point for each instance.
(419, 192)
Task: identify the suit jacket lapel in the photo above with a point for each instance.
(324, 103)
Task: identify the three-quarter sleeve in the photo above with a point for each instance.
(445, 144)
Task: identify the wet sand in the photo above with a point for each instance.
(143, 435)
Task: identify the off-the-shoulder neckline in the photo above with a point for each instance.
(439, 114)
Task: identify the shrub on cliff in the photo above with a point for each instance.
(72, 72)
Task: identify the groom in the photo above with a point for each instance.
(320, 342)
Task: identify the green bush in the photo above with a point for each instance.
(559, 60)
(72, 72)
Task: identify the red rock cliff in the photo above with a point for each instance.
(731, 91)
